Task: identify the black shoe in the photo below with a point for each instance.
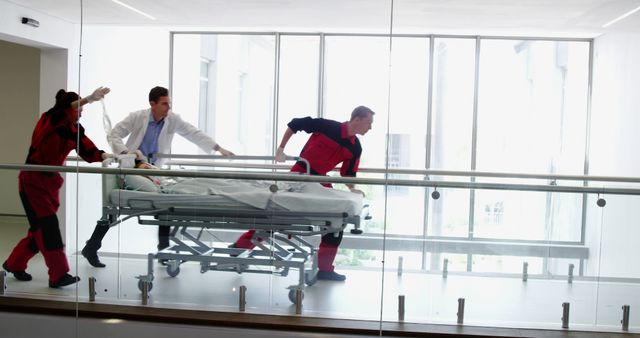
(65, 280)
(92, 258)
(233, 246)
(331, 275)
(19, 275)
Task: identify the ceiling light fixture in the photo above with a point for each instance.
(621, 17)
(133, 9)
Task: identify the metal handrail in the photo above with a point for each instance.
(234, 158)
(399, 171)
(324, 179)
(229, 165)
(471, 173)
(433, 172)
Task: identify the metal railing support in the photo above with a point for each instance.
(242, 299)
(625, 317)
(460, 311)
(565, 315)
(445, 268)
(92, 289)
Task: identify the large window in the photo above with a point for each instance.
(298, 84)
(532, 117)
(500, 105)
(357, 73)
(227, 80)
(532, 106)
(452, 125)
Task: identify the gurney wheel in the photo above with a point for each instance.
(150, 286)
(308, 280)
(292, 295)
(173, 271)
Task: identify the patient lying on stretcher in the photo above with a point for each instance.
(204, 186)
(256, 193)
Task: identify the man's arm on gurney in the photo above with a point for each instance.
(280, 155)
(349, 169)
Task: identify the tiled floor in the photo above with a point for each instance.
(429, 298)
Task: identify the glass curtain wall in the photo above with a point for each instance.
(455, 88)
(442, 103)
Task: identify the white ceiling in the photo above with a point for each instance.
(571, 18)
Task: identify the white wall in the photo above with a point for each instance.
(54, 73)
(52, 33)
(613, 232)
(19, 93)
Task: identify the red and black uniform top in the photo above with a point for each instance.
(329, 145)
(52, 141)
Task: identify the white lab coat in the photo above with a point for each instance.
(135, 126)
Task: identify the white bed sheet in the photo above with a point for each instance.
(246, 195)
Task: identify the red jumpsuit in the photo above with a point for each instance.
(51, 142)
(328, 146)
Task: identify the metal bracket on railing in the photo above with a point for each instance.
(3, 282)
(92, 289)
(299, 296)
(525, 271)
(625, 317)
(145, 292)
(400, 266)
(460, 310)
(445, 268)
(435, 194)
(565, 315)
(570, 276)
(242, 299)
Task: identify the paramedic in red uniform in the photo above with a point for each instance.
(330, 144)
(55, 135)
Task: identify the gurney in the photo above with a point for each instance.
(284, 215)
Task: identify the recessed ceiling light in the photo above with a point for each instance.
(133, 9)
(621, 17)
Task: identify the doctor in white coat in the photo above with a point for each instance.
(150, 132)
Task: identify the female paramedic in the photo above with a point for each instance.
(57, 133)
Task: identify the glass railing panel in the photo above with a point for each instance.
(25, 271)
(616, 276)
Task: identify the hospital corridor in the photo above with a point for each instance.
(356, 168)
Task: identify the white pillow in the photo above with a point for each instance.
(140, 183)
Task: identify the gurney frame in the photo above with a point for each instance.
(279, 237)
